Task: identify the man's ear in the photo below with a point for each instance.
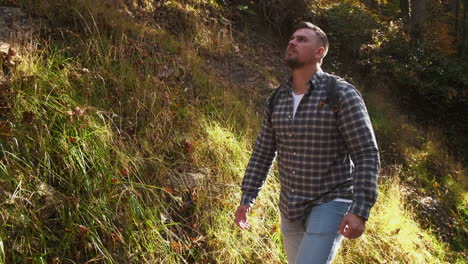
(320, 53)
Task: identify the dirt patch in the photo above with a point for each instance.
(13, 22)
(256, 68)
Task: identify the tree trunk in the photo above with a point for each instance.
(464, 34)
(419, 14)
(456, 11)
(405, 15)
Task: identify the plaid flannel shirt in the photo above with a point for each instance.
(321, 155)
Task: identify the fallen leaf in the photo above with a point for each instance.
(274, 229)
(83, 230)
(114, 180)
(198, 241)
(396, 231)
(194, 225)
(189, 146)
(177, 246)
(11, 52)
(73, 140)
(115, 237)
(5, 131)
(168, 189)
(125, 172)
(10, 55)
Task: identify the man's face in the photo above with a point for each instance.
(304, 47)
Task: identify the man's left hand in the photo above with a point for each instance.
(352, 226)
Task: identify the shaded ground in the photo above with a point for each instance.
(12, 22)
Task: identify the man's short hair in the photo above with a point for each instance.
(322, 36)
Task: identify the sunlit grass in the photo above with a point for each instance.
(109, 133)
(393, 235)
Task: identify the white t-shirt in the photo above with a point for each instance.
(296, 100)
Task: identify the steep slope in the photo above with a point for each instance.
(125, 130)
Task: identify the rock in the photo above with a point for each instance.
(4, 47)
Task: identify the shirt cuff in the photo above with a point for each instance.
(247, 199)
(360, 209)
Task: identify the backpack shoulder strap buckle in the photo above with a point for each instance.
(333, 97)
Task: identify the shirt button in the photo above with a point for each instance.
(289, 116)
(290, 135)
(294, 153)
(292, 190)
(294, 172)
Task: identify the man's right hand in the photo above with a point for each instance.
(241, 217)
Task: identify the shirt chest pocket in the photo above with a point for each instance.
(319, 121)
(313, 120)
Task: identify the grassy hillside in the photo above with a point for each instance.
(126, 126)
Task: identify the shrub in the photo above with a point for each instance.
(431, 87)
(349, 27)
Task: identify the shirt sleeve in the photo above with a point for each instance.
(356, 128)
(260, 162)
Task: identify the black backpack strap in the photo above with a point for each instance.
(272, 101)
(333, 98)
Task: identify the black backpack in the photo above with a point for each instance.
(332, 99)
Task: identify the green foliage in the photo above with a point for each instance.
(432, 87)
(390, 8)
(349, 27)
(73, 189)
(246, 9)
(434, 180)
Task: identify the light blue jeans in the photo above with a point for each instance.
(314, 240)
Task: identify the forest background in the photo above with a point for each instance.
(126, 125)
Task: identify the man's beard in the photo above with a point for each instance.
(293, 63)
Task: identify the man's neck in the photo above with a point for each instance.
(301, 76)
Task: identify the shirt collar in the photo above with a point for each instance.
(313, 81)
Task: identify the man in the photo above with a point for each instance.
(327, 158)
